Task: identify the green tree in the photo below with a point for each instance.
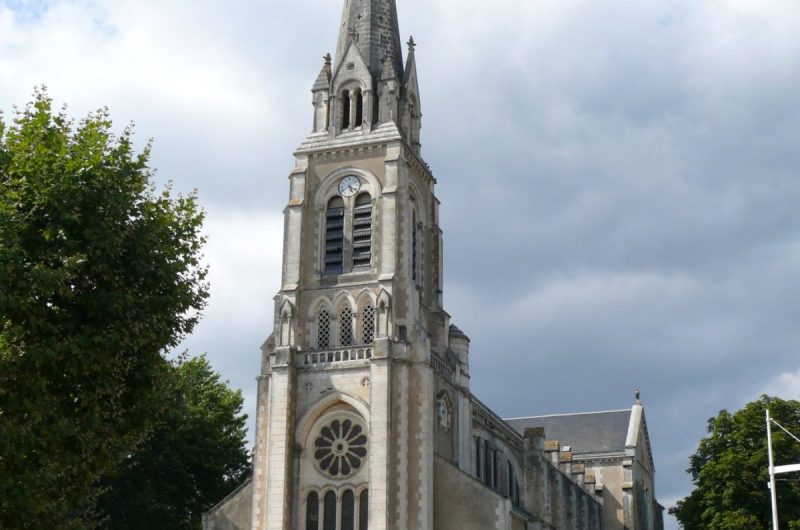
(729, 471)
(193, 459)
(99, 276)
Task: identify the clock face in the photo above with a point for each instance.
(349, 186)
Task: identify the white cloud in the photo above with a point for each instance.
(785, 386)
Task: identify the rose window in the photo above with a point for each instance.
(341, 448)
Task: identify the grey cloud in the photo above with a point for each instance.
(625, 173)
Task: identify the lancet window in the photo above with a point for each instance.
(359, 103)
(329, 517)
(345, 109)
(368, 324)
(312, 511)
(344, 507)
(324, 329)
(346, 327)
(415, 249)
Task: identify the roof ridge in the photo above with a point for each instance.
(567, 414)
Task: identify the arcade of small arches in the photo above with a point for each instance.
(345, 508)
(345, 329)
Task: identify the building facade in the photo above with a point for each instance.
(365, 418)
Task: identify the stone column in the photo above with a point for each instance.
(535, 480)
(379, 439)
(260, 457)
(353, 109)
(293, 225)
(281, 444)
(368, 109)
(387, 257)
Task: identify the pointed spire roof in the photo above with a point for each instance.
(324, 79)
(373, 25)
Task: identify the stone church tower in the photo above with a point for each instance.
(365, 418)
(346, 405)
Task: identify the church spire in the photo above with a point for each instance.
(372, 25)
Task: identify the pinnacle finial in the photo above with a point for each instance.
(638, 395)
(328, 59)
(411, 45)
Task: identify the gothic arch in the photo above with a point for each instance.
(344, 299)
(316, 308)
(286, 324)
(365, 297)
(323, 407)
(383, 314)
(327, 187)
(416, 197)
(322, 302)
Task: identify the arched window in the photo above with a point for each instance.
(334, 236)
(345, 109)
(414, 248)
(324, 330)
(312, 511)
(359, 107)
(368, 325)
(346, 327)
(348, 511)
(362, 231)
(329, 517)
(363, 511)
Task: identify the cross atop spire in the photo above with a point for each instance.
(372, 26)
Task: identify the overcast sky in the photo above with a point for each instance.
(619, 179)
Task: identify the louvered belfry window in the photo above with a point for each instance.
(334, 236)
(362, 231)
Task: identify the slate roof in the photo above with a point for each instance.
(594, 432)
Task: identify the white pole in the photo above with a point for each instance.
(772, 488)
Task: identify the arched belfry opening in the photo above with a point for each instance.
(345, 109)
(359, 107)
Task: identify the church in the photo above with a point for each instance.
(365, 417)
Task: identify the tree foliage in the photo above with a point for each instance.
(193, 459)
(730, 473)
(99, 275)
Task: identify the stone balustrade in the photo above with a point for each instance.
(332, 358)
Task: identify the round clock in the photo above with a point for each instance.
(349, 186)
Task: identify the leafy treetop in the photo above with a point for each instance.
(100, 274)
